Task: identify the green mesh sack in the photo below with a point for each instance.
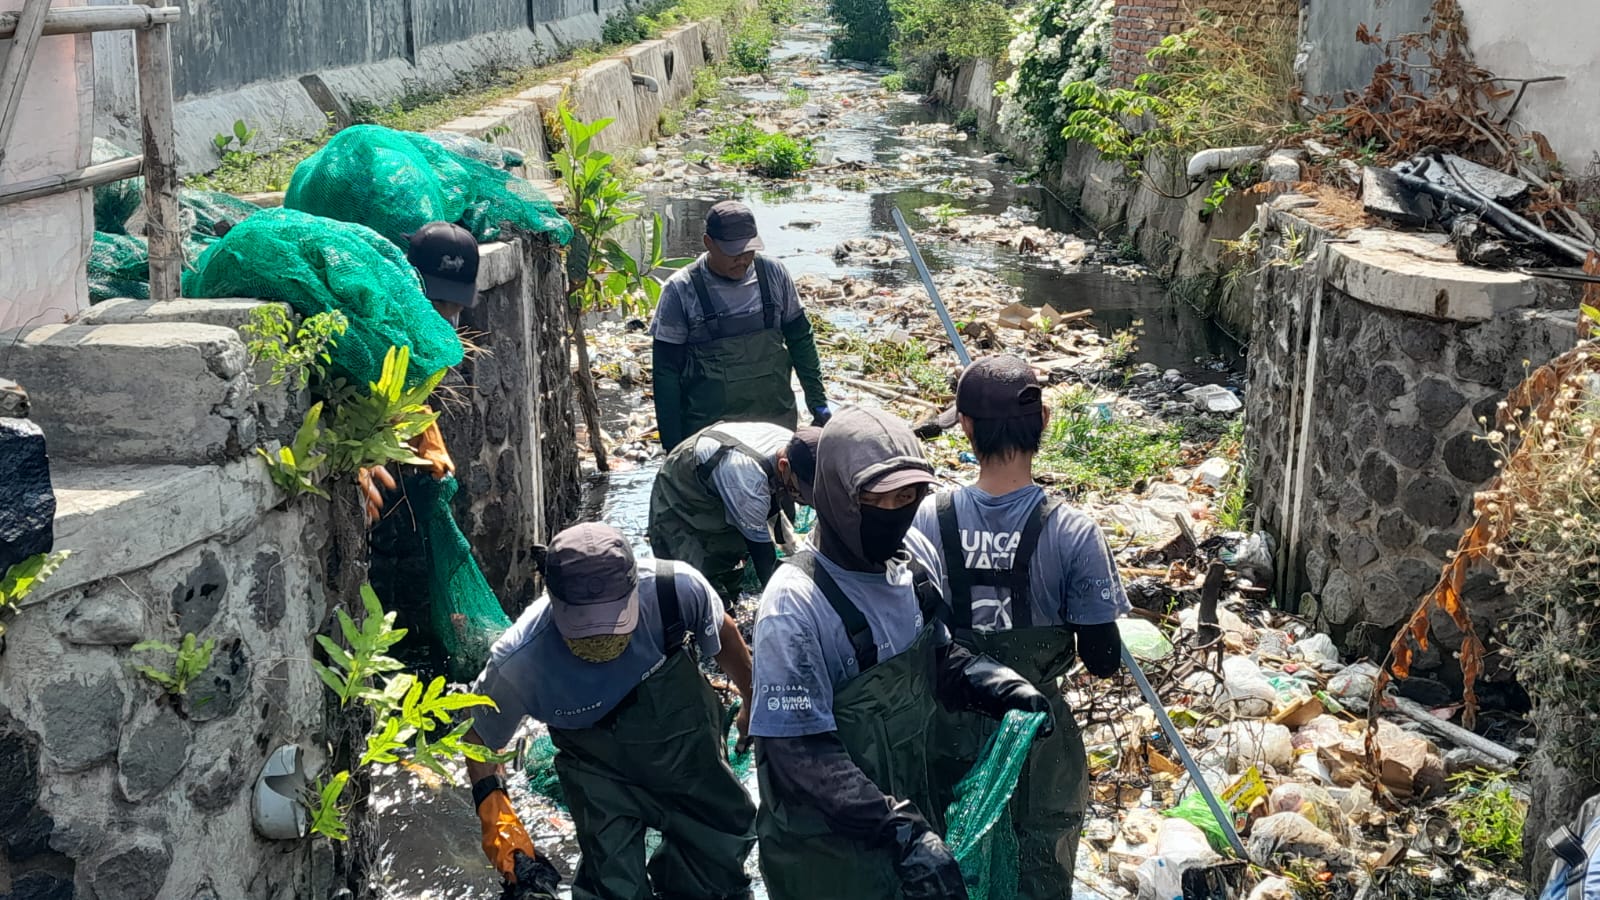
(978, 823)
(397, 181)
(114, 203)
(315, 265)
(119, 266)
(467, 617)
(212, 208)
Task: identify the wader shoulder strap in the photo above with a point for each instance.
(1016, 579)
(728, 442)
(672, 626)
(929, 597)
(855, 624)
(708, 311)
(769, 303)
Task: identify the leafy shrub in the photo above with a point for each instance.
(1489, 817)
(865, 29)
(894, 83)
(930, 34)
(766, 155)
(1215, 85)
(1059, 42)
(751, 47)
(1088, 453)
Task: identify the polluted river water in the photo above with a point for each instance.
(430, 835)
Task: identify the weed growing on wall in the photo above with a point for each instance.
(296, 354)
(20, 580)
(185, 662)
(1218, 84)
(1057, 43)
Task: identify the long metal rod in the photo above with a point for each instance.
(86, 20)
(1170, 730)
(933, 292)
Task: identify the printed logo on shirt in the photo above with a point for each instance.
(990, 550)
(574, 713)
(787, 697)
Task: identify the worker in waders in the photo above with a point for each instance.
(715, 495)
(1027, 579)
(604, 661)
(728, 331)
(851, 663)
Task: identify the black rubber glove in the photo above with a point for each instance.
(986, 687)
(817, 771)
(927, 869)
(807, 363)
(667, 363)
(764, 556)
(1100, 648)
(537, 879)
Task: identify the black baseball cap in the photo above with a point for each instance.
(733, 226)
(999, 387)
(593, 582)
(446, 256)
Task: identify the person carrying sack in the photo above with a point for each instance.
(851, 663)
(604, 660)
(1031, 583)
(728, 331)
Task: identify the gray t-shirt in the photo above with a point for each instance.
(1074, 579)
(803, 652)
(531, 672)
(740, 481)
(678, 313)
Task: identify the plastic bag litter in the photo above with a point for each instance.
(1246, 688)
(1293, 835)
(473, 148)
(1317, 650)
(1194, 810)
(1253, 558)
(1353, 684)
(1248, 744)
(1144, 640)
(1180, 846)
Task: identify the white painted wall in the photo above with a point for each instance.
(1534, 38)
(44, 243)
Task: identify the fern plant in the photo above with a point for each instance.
(19, 580)
(189, 660)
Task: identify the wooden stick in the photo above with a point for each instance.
(90, 19)
(887, 392)
(162, 228)
(87, 177)
(1455, 734)
(14, 63)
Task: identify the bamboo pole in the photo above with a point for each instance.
(87, 177)
(14, 63)
(163, 229)
(90, 19)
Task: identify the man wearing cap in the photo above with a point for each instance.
(728, 331)
(602, 660)
(851, 663)
(1027, 580)
(716, 493)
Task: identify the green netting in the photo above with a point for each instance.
(209, 209)
(978, 823)
(540, 762)
(119, 263)
(119, 266)
(315, 265)
(472, 148)
(467, 617)
(114, 202)
(397, 181)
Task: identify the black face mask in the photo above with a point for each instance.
(883, 531)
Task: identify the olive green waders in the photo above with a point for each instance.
(882, 717)
(1052, 793)
(738, 367)
(657, 761)
(689, 521)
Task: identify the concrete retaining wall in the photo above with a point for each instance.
(1393, 458)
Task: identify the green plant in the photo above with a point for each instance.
(1488, 816)
(897, 362)
(767, 155)
(796, 96)
(1057, 42)
(236, 142)
(20, 579)
(1233, 510)
(750, 48)
(929, 34)
(1215, 85)
(295, 469)
(406, 711)
(1119, 348)
(189, 660)
(865, 28)
(966, 120)
(944, 213)
(894, 82)
(296, 354)
(374, 428)
(1083, 450)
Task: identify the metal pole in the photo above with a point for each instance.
(933, 292)
(1149, 693)
(1165, 721)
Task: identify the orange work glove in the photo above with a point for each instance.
(503, 834)
(370, 479)
(430, 446)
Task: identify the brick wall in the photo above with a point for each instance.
(1141, 24)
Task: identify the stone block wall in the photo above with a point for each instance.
(1392, 460)
(1140, 25)
(112, 788)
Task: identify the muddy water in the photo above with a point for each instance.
(431, 847)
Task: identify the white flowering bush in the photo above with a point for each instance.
(1057, 43)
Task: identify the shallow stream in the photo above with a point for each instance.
(431, 834)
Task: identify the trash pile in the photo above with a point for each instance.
(1277, 723)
